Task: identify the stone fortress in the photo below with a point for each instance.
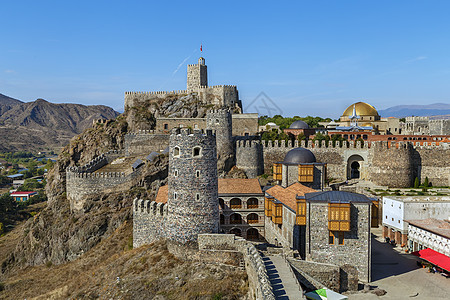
(202, 150)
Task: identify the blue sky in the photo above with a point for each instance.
(309, 57)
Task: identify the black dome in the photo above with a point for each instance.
(299, 156)
(299, 125)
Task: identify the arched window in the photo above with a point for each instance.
(252, 219)
(252, 203)
(236, 203)
(196, 152)
(175, 173)
(197, 173)
(176, 152)
(236, 231)
(235, 219)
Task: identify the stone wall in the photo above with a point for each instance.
(320, 274)
(144, 142)
(432, 162)
(245, 124)
(249, 157)
(356, 248)
(287, 235)
(148, 221)
(259, 283)
(165, 125)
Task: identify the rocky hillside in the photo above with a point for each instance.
(93, 246)
(41, 125)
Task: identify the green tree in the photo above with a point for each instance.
(301, 137)
(416, 182)
(7, 204)
(426, 183)
(31, 185)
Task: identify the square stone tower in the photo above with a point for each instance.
(197, 75)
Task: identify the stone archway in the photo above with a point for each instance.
(355, 167)
(236, 231)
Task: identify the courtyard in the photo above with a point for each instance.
(397, 273)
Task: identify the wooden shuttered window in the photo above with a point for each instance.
(339, 216)
(277, 213)
(301, 212)
(374, 217)
(277, 171)
(268, 207)
(306, 173)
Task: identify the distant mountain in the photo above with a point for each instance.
(6, 103)
(41, 125)
(401, 111)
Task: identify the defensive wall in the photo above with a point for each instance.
(219, 95)
(393, 164)
(148, 221)
(82, 181)
(259, 283)
(144, 142)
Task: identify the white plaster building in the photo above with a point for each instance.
(429, 233)
(398, 209)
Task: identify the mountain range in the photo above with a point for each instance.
(41, 125)
(437, 110)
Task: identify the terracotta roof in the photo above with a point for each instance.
(440, 227)
(226, 186)
(239, 186)
(22, 193)
(162, 195)
(287, 195)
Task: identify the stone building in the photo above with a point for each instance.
(398, 209)
(326, 227)
(242, 208)
(426, 126)
(197, 83)
(299, 165)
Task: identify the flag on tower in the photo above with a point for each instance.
(201, 49)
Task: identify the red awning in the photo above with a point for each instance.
(434, 257)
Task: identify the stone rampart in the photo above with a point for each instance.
(249, 156)
(148, 221)
(145, 142)
(317, 275)
(259, 283)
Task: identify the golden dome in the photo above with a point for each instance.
(362, 109)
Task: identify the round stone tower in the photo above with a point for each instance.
(193, 205)
(220, 122)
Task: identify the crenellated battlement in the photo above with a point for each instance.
(152, 208)
(189, 131)
(174, 92)
(141, 132)
(96, 163)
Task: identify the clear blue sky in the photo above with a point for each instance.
(309, 57)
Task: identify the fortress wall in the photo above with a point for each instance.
(245, 124)
(259, 284)
(249, 157)
(145, 143)
(432, 162)
(81, 185)
(194, 123)
(220, 95)
(148, 221)
(133, 98)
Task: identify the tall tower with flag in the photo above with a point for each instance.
(197, 75)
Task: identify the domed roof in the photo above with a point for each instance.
(362, 109)
(298, 156)
(299, 125)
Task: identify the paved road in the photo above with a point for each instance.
(398, 274)
(282, 280)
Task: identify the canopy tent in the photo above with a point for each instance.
(436, 258)
(325, 293)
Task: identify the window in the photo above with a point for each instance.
(398, 221)
(341, 238)
(195, 126)
(176, 152)
(331, 238)
(306, 173)
(175, 195)
(175, 173)
(277, 171)
(392, 219)
(197, 196)
(197, 173)
(197, 151)
(166, 126)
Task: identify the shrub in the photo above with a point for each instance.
(416, 183)
(426, 183)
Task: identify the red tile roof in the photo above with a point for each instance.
(22, 193)
(162, 195)
(287, 195)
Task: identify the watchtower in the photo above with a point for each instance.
(193, 205)
(220, 121)
(197, 75)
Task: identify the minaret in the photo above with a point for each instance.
(197, 75)
(354, 117)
